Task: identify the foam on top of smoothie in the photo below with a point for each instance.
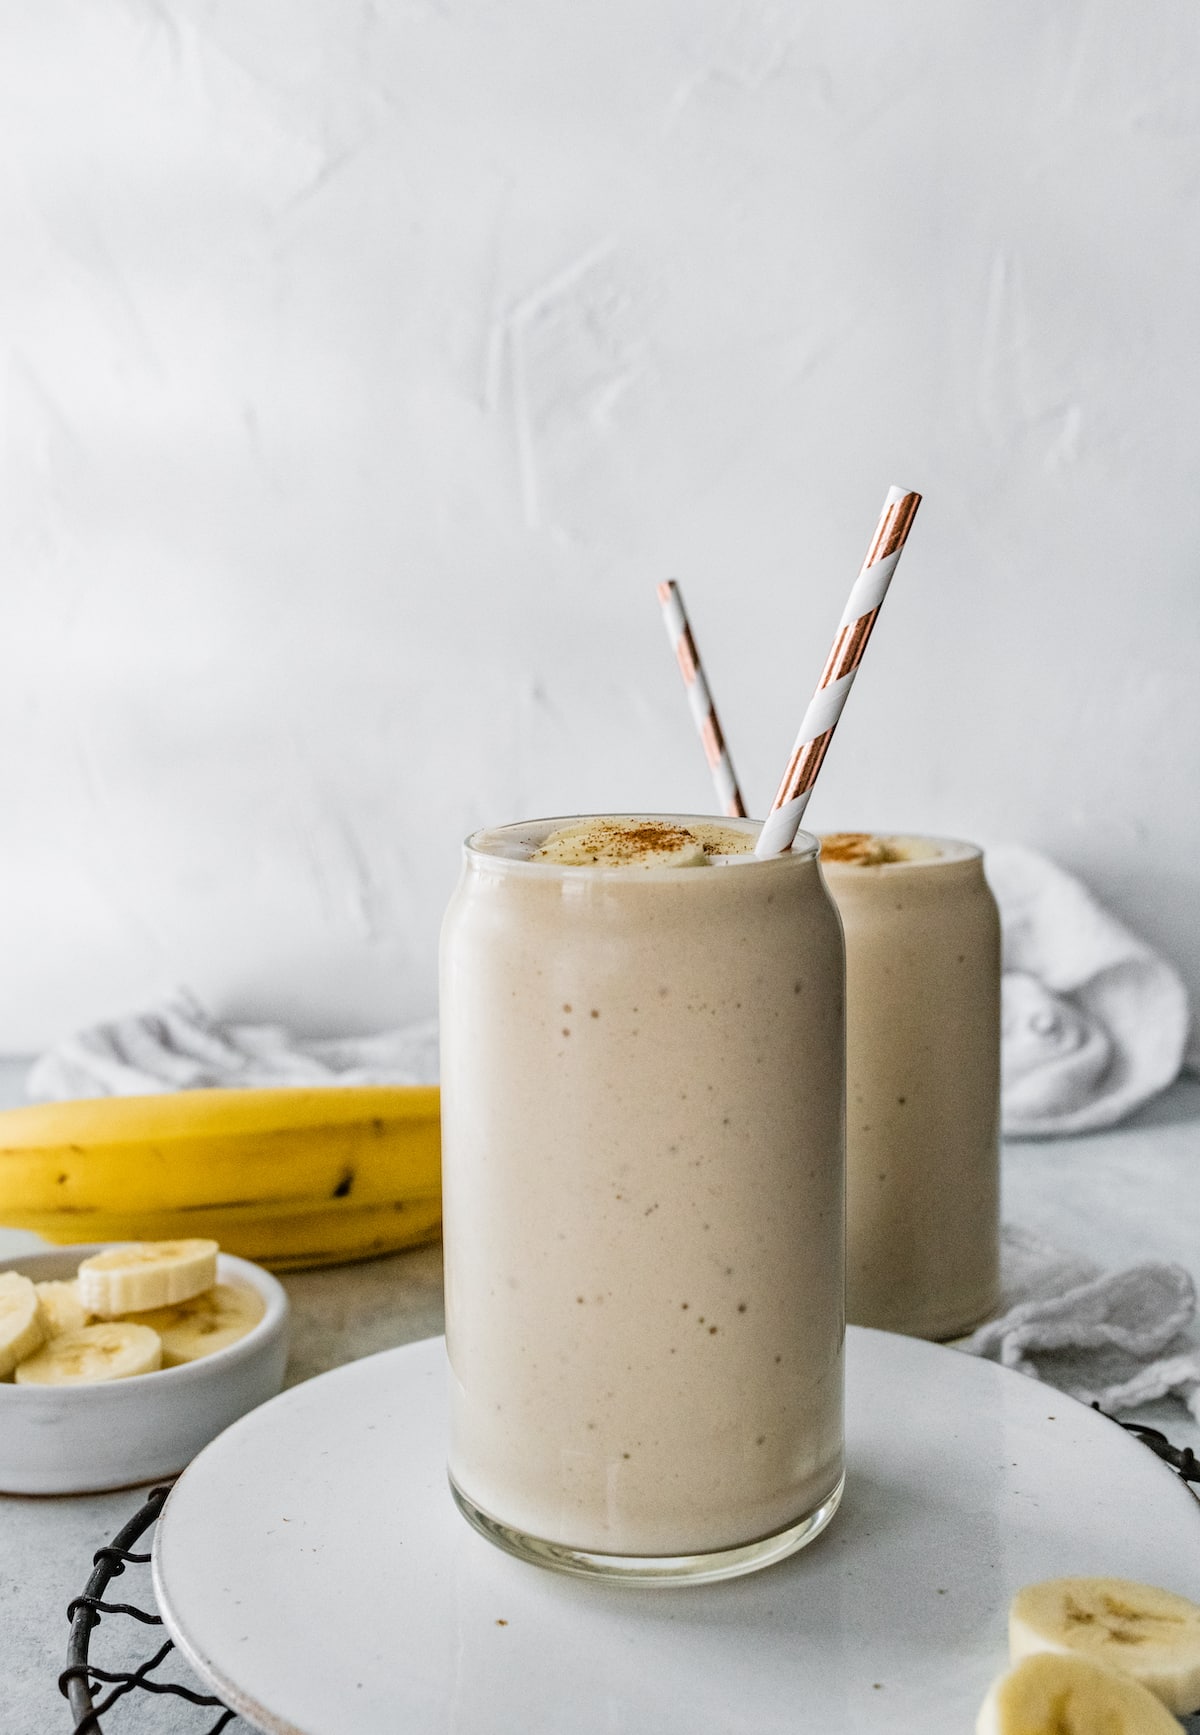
(641, 843)
(865, 849)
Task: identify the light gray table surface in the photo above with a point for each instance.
(1120, 1196)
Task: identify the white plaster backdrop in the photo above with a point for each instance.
(367, 363)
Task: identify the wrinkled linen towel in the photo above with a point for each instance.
(178, 1046)
(1094, 1022)
(1118, 1339)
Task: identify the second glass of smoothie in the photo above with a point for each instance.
(922, 1081)
(642, 1097)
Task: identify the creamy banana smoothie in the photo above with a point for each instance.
(922, 1081)
(642, 1101)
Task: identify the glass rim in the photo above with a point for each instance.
(805, 848)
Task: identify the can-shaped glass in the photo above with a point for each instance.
(922, 1082)
(643, 1172)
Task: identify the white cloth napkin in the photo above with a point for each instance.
(178, 1046)
(1094, 1021)
(1119, 1339)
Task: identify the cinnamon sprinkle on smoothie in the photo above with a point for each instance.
(640, 843)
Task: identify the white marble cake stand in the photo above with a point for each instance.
(312, 1568)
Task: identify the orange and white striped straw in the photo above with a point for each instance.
(854, 629)
(704, 712)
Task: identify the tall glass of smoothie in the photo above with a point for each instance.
(922, 1081)
(642, 1099)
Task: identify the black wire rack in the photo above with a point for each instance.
(82, 1679)
(1182, 1459)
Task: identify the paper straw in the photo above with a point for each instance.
(704, 712)
(854, 629)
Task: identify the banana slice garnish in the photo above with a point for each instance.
(651, 843)
(61, 1307)
(22, 1328)
(208, 1322)
(1054, 1694)
(112, 1350)
(1150, 1634)
(146, 1275)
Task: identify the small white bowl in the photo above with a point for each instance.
(85, 1439)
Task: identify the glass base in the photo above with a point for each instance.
(646, 1569)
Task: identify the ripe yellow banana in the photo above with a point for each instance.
(288, 1177)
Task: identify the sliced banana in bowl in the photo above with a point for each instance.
(22, 1330)
(205, 1323)
(62, 1310)
(89, 1403)
(113, 1350)
(146, 1274)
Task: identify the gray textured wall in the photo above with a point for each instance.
(366, 365)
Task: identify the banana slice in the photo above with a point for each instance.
(61, 1307)
(145, 1275)
(22, 1329)
(1150, 1634)
(114, 1350)
(649, 843)
(1068, 1695)
(208, 1322)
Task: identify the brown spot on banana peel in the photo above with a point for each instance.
(229, 1205)
(343, 1188)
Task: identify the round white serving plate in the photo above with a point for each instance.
(85, 1439)
(313, 1569)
